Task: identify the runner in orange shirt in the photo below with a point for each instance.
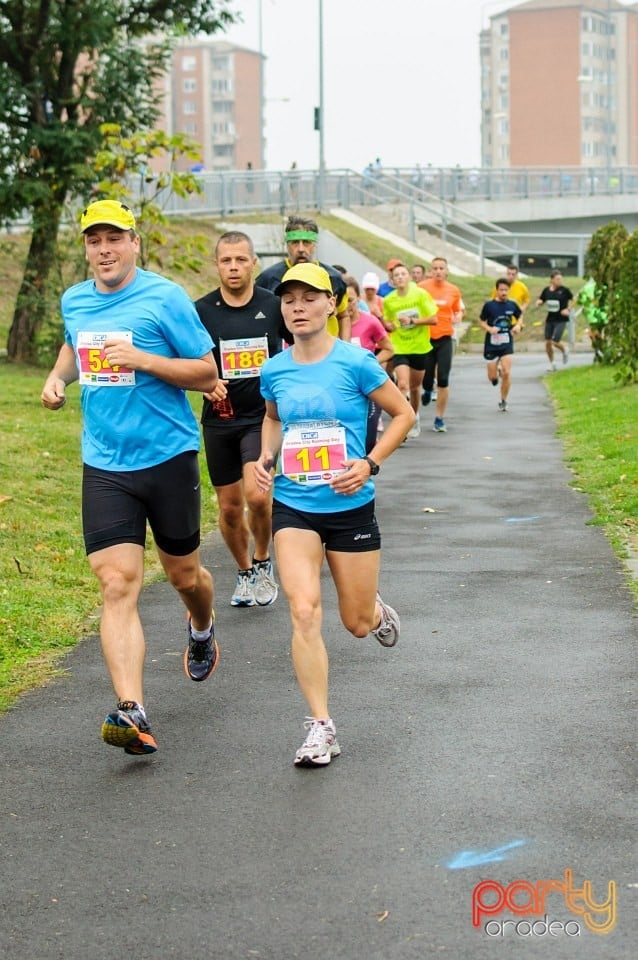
(439, 360)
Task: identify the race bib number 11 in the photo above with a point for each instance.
(313, 453)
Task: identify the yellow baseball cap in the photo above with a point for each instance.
(311, 274)
(110, 213)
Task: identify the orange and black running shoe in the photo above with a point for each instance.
(127, 727)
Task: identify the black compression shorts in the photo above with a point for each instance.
(117, 505)
(348, 531)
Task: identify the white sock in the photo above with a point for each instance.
(201, 634)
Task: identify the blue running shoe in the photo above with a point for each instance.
(439, 425)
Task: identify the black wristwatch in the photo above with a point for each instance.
(374, 467)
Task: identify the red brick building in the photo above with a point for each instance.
(559, 84)
(214, 93)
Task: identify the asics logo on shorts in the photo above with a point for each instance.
(362, 536)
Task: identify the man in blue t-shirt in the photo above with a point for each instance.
(135, 343)
(500, 318)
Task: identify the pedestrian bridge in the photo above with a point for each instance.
(536, 216)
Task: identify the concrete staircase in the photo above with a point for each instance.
(391, 222)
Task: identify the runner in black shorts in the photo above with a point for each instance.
(117, 506)
(500, 318)
(134, 341)
(244, 322)
(317, 395)
(558, 301)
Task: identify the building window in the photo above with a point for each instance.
(189, 107)
(188, 64)
(504, 29)
(189, 85)
(223, 149)
(503, 54)
(190, 127)
(221, 63)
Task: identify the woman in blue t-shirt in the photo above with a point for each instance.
(317, 395)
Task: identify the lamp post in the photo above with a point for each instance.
(262, 97)
(322, 156)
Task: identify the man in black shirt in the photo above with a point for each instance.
(558, 301)
(301, 240)
(244, 321)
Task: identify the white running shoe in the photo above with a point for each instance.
(265, 587)
(389, 629)
(320, 745)
(244, 593)
(415, 431)
(565, 357)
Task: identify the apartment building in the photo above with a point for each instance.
(214, 93)
(559, 85)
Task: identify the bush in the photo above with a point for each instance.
(604, 264)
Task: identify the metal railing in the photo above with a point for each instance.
(281, 191)
(428, 199)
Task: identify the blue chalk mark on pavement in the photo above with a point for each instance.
(476, 858)
(520, 519)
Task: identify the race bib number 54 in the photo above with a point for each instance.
(313, 453)
(95, 369)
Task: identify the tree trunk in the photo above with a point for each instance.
(32, 301)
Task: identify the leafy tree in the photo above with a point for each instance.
(626, 332)
(66, 67)
(124, 166)
(126, 174)
(604, 264)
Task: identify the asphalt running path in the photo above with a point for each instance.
(494, 742)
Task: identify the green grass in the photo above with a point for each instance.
(598, 424)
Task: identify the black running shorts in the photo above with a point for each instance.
(117, 505)
(228, 449)
(348, 531)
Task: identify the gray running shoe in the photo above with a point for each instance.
(415, 430)
(244, 593)
(389, 629)
(503, 406)
(320, 745)
(265, 587)
(201, 657)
